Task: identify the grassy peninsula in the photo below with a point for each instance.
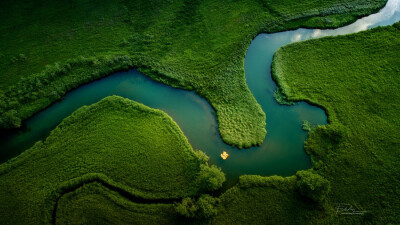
(49, 47)
(115, 142)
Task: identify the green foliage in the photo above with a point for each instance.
(307, 126)
(10, 119)
(201, 156)
(265, 200)
(249, 181)
(211, 177)
(187, 208)
(280, 98)
(355, 78)
(312, 185)
(207, 206)
(182, 43)
(203, 208)
(95, 204)
(316, 7)
(115, 142)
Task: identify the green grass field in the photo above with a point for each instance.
(115, 142)
(189, 44)
(356, 79)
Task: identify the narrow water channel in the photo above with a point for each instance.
(282, 152)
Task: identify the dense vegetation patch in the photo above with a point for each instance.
(95, 204)
(189, 44)
(356, 79)
(254, 200)
(116, 142)
(202, 208)
(267, 200)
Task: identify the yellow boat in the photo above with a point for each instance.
(224, 155)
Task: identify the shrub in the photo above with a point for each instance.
(204, 208)
(207, 206)
(201, 156)
(334, 134)
(307, 126)
(10, 119)
(249, 181)
(186, 208)
(211, 177)
(312, 185)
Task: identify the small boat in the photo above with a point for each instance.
(224, 155)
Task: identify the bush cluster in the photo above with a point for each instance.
(312, 185)
(211, 177)
(204, 208)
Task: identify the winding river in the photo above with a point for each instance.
(282, 152)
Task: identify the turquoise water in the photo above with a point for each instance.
(281, 153)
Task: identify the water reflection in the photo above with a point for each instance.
(386, 16)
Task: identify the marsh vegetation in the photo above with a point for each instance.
(120, 162)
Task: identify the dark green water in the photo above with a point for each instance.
(282, 152)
